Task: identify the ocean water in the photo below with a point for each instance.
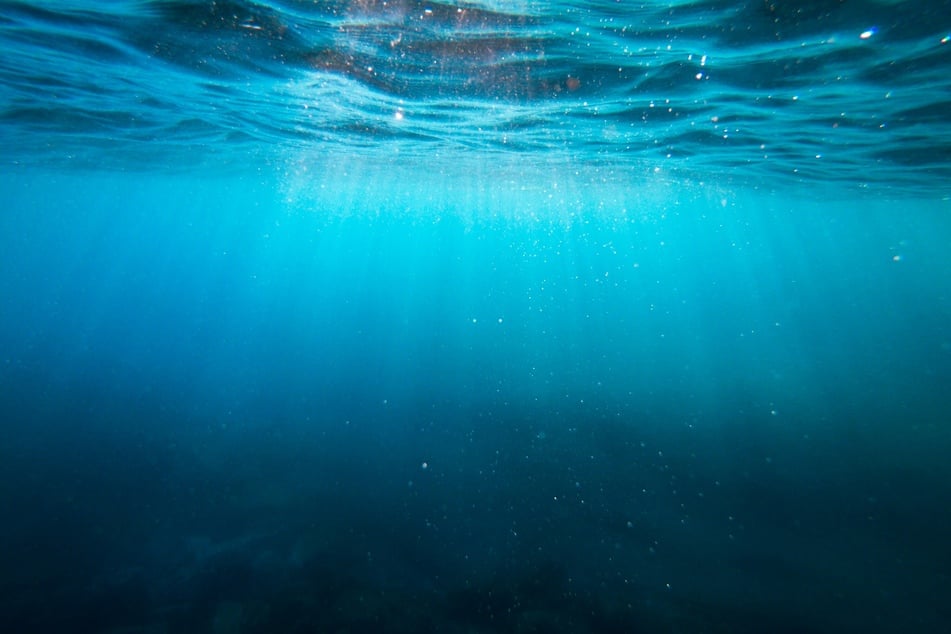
(498, 316)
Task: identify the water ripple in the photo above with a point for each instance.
(851, 93)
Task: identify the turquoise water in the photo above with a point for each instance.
(490, 317)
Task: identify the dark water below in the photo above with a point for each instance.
(499, 317)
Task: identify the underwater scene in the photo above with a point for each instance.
(495, 316)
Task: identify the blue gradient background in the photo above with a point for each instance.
(401, 376)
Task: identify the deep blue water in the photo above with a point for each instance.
(512, 317)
